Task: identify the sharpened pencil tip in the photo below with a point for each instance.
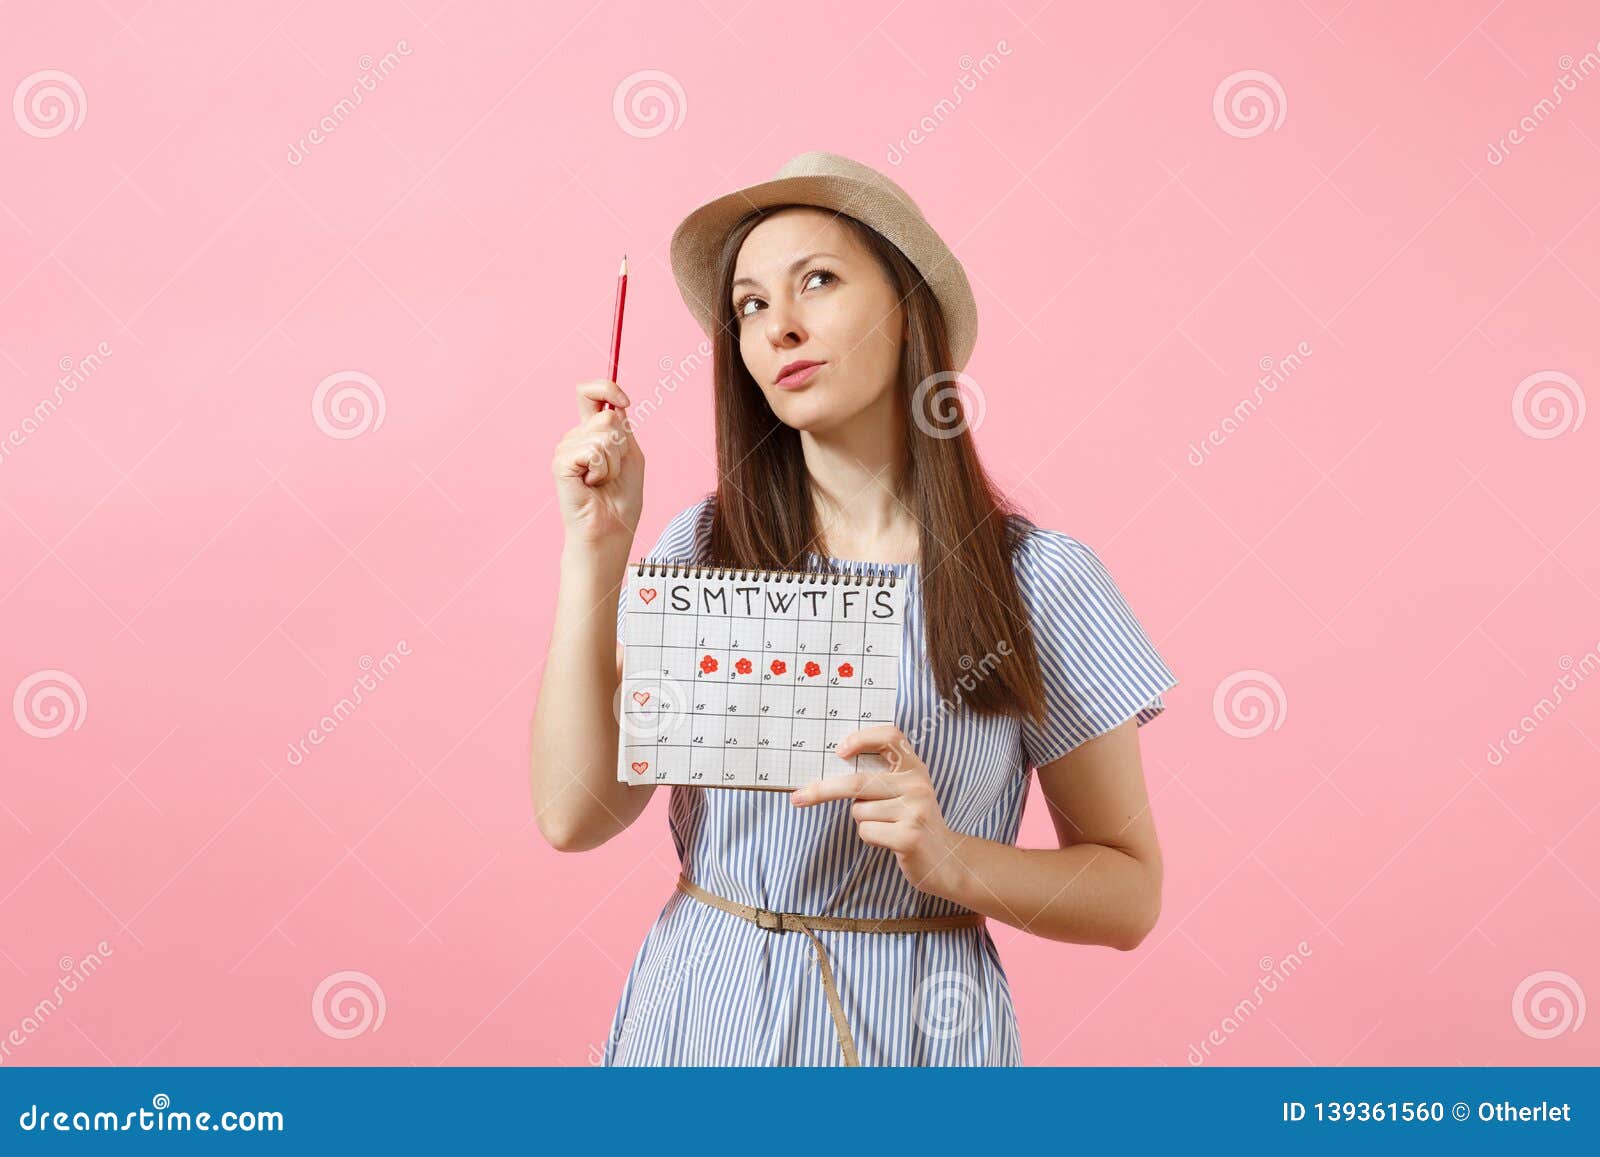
(624, 267)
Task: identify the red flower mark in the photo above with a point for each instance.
(708, 664)
(779, 666)
(812, 670)
(743, 666)
(846, 670)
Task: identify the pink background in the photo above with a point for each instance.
(1410, 560)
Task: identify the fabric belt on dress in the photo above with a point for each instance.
(797, 922)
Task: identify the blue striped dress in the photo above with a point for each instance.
(708, 988)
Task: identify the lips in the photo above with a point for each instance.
(797, 374)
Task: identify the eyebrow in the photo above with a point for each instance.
(793, 268)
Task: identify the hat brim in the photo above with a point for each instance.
(697, 244)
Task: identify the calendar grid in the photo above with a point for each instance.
(849, 625)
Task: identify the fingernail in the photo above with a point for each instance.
(625, 400)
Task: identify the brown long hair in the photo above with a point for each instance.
(764, 515)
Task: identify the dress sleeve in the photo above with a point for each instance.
(683, 540)
(1099, 667)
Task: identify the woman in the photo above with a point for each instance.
(833, 308)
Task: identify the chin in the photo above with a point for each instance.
(809, 412)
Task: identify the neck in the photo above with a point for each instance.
(856, 483)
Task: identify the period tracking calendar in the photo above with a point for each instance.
(742, 678)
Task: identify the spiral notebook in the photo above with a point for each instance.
(743, 678)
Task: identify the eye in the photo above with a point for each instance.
(740, 313)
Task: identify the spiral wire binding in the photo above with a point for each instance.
(657, 569)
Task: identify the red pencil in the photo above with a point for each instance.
(616, 322)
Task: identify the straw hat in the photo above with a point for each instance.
(828, 181)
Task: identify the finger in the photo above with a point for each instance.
(589, 461)
(885, 810)
(592, 396)
(852, 785)
(884, 738)
(873, 737)
(895, 837)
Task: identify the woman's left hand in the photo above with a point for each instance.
(894, 809)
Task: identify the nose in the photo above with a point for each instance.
(784, 328)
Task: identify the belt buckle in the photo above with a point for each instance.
(763, 915)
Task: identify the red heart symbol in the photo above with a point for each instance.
(641, 766)
(641, 697)
(648, 594)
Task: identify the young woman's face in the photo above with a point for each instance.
(805, 290)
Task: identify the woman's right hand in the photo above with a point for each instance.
(599, 470)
